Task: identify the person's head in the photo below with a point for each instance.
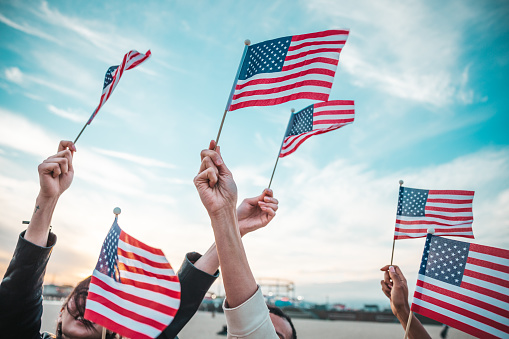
(282, 323)
(71, 322)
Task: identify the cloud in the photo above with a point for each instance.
(28, 29)
(69, 115)
(147, 162)
(14, 74)
(411, 51)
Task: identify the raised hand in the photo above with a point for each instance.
(56, 172)
(257, 212)
(214, 182)
(395, 288)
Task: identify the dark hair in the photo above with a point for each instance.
(277, 311)
(79, 297)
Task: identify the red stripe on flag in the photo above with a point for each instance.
(427, 222)
(152, 287)
(451, 192)
(334, 102)
(125, 312)
(307, 62)
(496, 252)
(339, 43)
(461, 311)
(135, 299)
(141, 271)
(335, 112)
(485, 291)
(313, 51)
(488, 278)
(304, 138)
(279, 89)
(145, 260)
(276, 80)
(134, 242)
(280, 100)
(322, 34)
(451, 201)
(333, 121)
(438, 216)
(425, 230)
(488, 264)
(112, 325)
(445, 209)
(464, 298)
(452, 322)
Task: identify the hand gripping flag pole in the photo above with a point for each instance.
(292, 116)
(247, 42)
(113, 74)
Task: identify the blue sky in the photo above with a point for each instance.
(429, 82)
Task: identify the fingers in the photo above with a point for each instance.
(209, 175)
(65, 144)
(395, 274)
(51, 168)
(271, 206)
(63, 157)
(386, 289)
(213, 155)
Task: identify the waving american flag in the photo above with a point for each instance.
(289, 68)
(114, 73)
(134, 290)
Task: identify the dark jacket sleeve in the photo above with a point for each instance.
(194, 284)
(21, 289)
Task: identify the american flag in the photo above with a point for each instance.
(114, 73)
(289, 68)
(448, 212)
(134, 290)
(316, 119)
(465, 286)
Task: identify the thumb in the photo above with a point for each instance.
(396, 275)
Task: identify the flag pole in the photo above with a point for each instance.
(280, 148)
(401, 182)
(86, 124)
(247, 42)
(410, 316)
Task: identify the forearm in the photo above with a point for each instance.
(209, 262)
(417, 330)
(238, 280)
(38, 229)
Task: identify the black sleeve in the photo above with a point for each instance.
(194, 284)
(21, 289)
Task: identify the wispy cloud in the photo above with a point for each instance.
(69, 115)
(148, 162)
(14, 74)
(25, 28)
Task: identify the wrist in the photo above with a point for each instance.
(223, 214)
(402, 313)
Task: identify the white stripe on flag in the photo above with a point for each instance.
(435, 219)
(486, 284)
(122, 319)
(175, 286)
(450, 196)
(487, 271)
(333, 108)
(321, 77)
(140, 292)
(146, 267)
(129, 305)
(446, 205)
(335, 37)
(459, 317)
(314, 89)
(141, 252)
(449, 214)
(333, 56)
(482, 256)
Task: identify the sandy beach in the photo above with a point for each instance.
(203, 325)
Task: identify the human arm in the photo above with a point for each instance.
(21, 287)
(394, 286)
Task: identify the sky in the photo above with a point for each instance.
(429, 80)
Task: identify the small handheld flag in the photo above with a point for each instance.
(134, 290)
(316, 119)
(112, 77)
(448, 211)
(465, 286)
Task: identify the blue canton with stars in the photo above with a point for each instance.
(265, 57)
(301, 122)
(108, 78)
(412, 201)
(444, 259)
(107, 263)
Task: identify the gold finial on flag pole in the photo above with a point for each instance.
(247, 42)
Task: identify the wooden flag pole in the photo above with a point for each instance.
(104, 333)
(289, 123)
(410, 316)
(247, 42)
(401, 182)
(86, 124)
